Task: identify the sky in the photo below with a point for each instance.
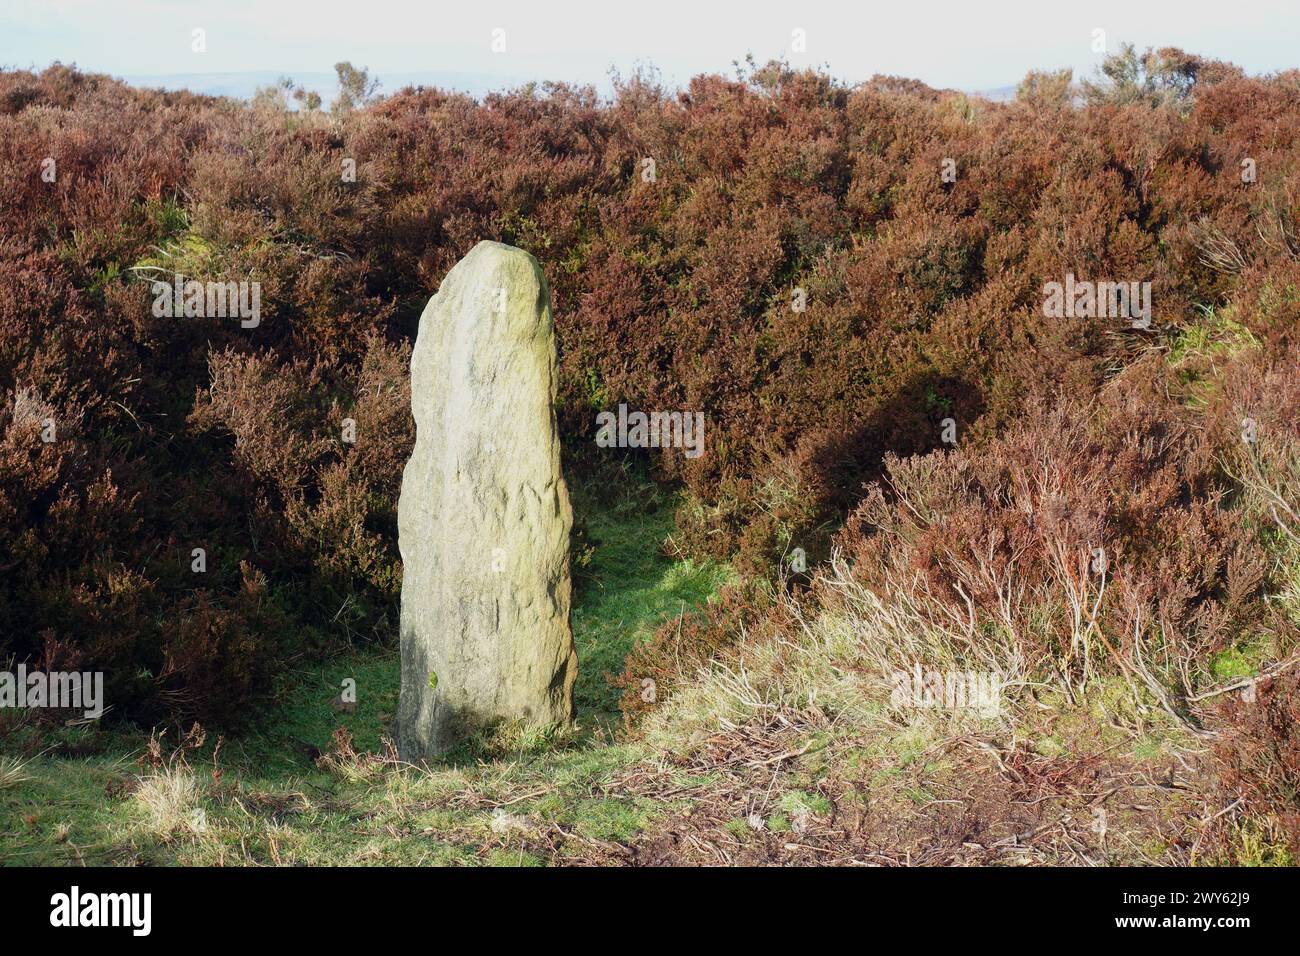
(969, 45)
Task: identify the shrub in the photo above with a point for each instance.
(1260, 757)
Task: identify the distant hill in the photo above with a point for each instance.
(999, 94)
(243, 85)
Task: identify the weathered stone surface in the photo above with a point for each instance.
(484, 515)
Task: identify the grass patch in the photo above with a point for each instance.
(634, 588)
(1199, 350)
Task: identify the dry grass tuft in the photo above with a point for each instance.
(170, 799)
(12, 772)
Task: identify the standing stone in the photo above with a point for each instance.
(484, 516)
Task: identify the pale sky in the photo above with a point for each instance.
(971, 44)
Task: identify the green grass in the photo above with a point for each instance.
(494, 803)
(1197, 350)
(1216, 334)
(635, 588)
(306, 718)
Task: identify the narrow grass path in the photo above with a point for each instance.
(635, 589)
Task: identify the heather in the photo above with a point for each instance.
(794, 264)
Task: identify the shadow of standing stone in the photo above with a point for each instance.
(484, 514)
